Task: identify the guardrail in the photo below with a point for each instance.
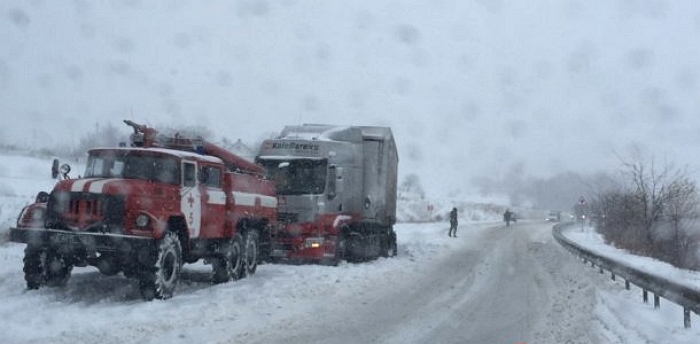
(686, 296)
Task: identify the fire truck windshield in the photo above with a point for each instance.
(297, 176)
(151, 168)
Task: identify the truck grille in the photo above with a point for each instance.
(287, 217)
(86, 212)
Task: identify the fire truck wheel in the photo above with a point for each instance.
(235, 257)
(43, 266)
(34, 267)
(162, 282)
(250, 253)
(230, 264)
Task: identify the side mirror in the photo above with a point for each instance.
(65, 169)
(54, 169)
(42, 197)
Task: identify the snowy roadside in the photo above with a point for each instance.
(588, 237)
(621, 316)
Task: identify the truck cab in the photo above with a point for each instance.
(336, 190)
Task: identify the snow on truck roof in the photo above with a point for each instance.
(324, 132)
(290, 157)
(173, 152)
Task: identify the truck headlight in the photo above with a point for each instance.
(313, 242)
(37, 214)
(142, 221)
(31, 216)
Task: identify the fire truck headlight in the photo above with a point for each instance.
(31, 216)
(142, 221)
(37, 214)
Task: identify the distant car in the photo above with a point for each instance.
(554, 216)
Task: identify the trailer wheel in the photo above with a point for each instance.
(250, 253)
(161, 283)
(230, 264)
(391, 249)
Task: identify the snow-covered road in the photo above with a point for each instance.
(490, 285)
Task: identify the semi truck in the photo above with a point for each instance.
(145, 209)
(336, 192)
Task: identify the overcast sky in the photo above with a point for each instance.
(470, 88)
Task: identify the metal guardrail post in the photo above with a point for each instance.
(657, 302)
(645, 296)
(612, 276)
(627, 284)
(686, 317)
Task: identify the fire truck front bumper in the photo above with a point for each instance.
(88, 242)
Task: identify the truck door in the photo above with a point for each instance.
(213, 201)
(190, 198)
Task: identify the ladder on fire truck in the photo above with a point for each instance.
(147, 137)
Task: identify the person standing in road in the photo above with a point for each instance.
(453, 223)
(507, 217)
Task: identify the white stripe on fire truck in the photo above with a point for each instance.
(246, 198)
(216, 197)
(79, 184)
(268, 201)
(96, 186)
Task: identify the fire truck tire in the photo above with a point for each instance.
(43, 266)
(250, 253)
(34, 267)
(162, 282)
(235, 258)
(229, 265)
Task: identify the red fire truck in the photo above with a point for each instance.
(145, 210)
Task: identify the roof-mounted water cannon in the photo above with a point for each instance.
(143, 136)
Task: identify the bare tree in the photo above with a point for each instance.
(681, 204)
(651, 213)
(648, 190)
